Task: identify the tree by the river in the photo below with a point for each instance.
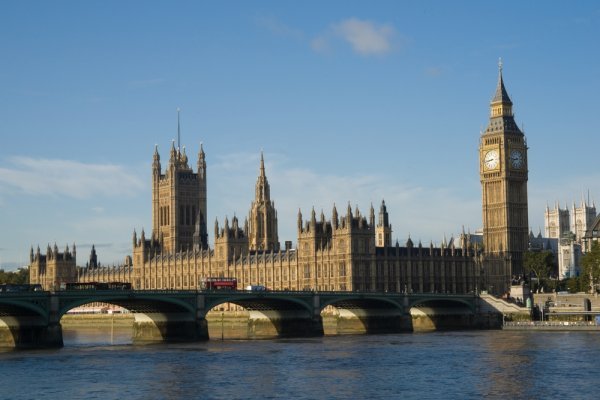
(541, 265)
(591, 266)
(19, 276)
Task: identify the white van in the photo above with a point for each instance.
(256, 288)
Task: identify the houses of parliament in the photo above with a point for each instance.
(347, 251)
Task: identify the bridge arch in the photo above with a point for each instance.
(436, 313)
(15, 307)
(158, 315)
(467, 303)
(363, 313)
(138, 304)
(264, 315)
(259, 302)
(365, 300)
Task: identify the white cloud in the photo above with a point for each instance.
(69, 178)
(366, 37)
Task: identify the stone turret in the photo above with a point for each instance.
(53, 269)
(179, 201)
(383, 236)
(231, 241)
(93, 263)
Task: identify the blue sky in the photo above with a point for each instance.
(350, 101)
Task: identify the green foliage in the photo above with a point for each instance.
(19, 277)
(591, 266)
(540, 264)
(573, 285)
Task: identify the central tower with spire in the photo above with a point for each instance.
(503, 174)
(179, 201)
(263, 216)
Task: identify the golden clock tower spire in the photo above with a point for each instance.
(503, 174)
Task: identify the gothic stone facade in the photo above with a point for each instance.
(349, 252)
(342, 253)
(337, 254)
(503, 173)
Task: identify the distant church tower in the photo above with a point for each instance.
(556, 222)
(503, 174)
(582, 218)
(383, 230)
(263, 216)
(179, 201)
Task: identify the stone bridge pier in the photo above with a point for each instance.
(25, 325)
(151, 328)
(180, 319)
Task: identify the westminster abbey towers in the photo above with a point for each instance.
(503, 173)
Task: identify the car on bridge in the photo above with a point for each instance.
(256, 288)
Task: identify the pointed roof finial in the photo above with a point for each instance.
(501, 95)
(262, 163)
(178, 130)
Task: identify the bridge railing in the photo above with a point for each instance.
(237, 292)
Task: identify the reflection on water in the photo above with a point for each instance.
(449, 365)
(100, 335)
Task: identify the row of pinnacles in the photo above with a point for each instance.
(348, 252)
(54, 267)
(562, 222)
(344, 253)
(569, 234)
(52, 253)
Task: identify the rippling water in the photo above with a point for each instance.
(455, 365)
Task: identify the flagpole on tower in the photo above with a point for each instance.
(178, 131)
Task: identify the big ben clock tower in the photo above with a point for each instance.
(503, 174)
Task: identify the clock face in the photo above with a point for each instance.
(491, 159)
(516, 159)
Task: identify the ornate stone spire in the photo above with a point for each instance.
(334, 217)
(156, 160)
(501, 95)
(262, 184)
(201, 162)
(173, 154)
(263, 216)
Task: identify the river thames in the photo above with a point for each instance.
(449, 365)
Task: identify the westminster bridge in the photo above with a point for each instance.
(32, 319)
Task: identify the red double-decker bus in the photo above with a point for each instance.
(213, 283)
